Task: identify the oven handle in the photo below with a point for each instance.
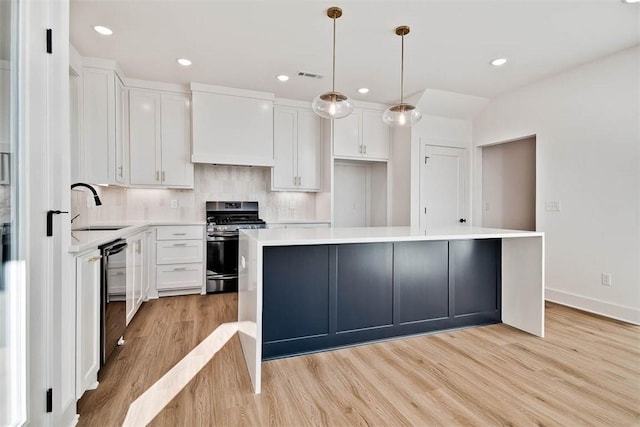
(222, 236)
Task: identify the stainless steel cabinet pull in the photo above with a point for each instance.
(365, 149)
(120, 171)
(179, 234)
(119, 274)
(179, 244)
(163, 176)
(157, 175)
(180, 269)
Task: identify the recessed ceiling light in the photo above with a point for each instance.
(103, 30)
(363, 90)
(498, 62)
(282, 77)
(184, 62)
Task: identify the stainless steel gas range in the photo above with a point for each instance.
(224, 219)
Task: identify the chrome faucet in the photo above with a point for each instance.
(93, 190)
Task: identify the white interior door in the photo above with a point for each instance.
(442, 186)
(351, 195)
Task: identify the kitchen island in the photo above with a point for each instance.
(314, 289)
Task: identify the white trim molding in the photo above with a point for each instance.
(607, 309)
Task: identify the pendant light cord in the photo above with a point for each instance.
(402, 72)
(333, 84)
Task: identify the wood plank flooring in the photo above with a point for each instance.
(585, 372)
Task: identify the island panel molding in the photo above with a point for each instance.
(361, 294)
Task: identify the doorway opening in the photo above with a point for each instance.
(509, 185)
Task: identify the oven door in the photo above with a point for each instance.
(222, 262)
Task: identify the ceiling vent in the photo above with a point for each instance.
(310, 75)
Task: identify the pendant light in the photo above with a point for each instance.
(333, 105)
(402, 114)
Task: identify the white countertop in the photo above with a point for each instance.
(82, 241)
(316, 236)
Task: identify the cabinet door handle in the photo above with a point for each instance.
(119, 274)
(120, 171)
(180, 269)
(162, 176)
(179, 234)
(365, 149)
(157, 175)
(299, 180)
(179, 244)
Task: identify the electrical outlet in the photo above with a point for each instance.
(606, 279)
(552, 205)
(174, 204)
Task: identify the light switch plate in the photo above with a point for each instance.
(174, 204)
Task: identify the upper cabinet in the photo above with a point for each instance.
(361, 135)
(102, 148)
(297, 149)
(232, 126)
(159, 139)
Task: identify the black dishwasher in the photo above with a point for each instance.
(113, 317)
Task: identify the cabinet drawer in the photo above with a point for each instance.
(184, 276)
(179, 251)
(180, 232)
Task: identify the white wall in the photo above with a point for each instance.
(509, 185)
(587, 127)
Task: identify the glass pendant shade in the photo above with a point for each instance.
(332, 105)
(401, 115)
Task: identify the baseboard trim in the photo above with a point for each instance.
(607, 309)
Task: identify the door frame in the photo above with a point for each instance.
(43, 151)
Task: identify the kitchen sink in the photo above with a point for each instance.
(101, 228)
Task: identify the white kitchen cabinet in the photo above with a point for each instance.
(232, 126)
(135, 274)
(102, 158)
(361, 135)
(159, 139)
(179, 263)
(87, 321)
(297, 150)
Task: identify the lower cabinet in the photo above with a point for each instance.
(179, 260)
(326, 296)
(87, 322)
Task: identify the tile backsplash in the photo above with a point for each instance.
(212, 182)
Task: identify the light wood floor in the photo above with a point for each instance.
(585, 372)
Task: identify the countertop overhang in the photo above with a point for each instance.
(341, 235)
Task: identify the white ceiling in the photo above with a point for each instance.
(245, 44)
